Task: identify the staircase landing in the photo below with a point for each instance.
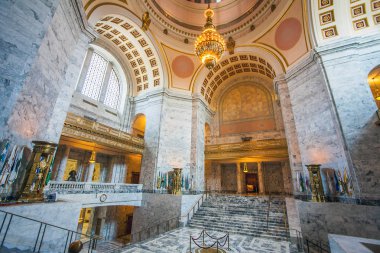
(177, 241)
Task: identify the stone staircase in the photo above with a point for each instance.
(242, 215)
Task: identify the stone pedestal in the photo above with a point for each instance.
(39, 170)
(316, 182)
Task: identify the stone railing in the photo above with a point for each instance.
(90, 187)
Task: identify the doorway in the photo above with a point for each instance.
(251, 183)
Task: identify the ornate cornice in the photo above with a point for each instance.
(87, 130)
(263, 149)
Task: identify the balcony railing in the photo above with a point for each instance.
(90, 187)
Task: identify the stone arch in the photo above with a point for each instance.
(122, 29)
(246, 60)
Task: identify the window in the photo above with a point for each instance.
(101, 85)
(94, 77)
(113, 91)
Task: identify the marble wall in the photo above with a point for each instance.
(273, 177)
(19, 49)
(228, 178)
(22, 232)
(316, 128)
(156, 210)
(38, 89)
(355, 107)
(174, 137)
(320, 219)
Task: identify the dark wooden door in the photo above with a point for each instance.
(129, 224)
(252, 183)
(135, 177)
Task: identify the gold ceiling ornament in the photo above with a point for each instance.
(377, 92)
(93, 157)
(209, 45)
(245, 169)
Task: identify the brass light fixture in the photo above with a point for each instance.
(245, 168)
(377, 92)
(209, 45)
(93, 157)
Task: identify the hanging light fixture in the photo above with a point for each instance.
(377, 92)
(245, 169)
(209, 45)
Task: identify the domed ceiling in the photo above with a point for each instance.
(278, 28)
(231, 17)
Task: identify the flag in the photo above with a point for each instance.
(337, 188)
(302, 183)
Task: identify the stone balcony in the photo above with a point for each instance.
(263, 149)
(91, 194)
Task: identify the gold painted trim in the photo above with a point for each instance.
(359, 20)
(355, 7)
(326, 12)
(376, 19)
(372, 5)
(82, 129)
(306, 25)
(265, 149)
(323, 7)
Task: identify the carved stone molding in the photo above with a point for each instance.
(271, 148)
(87, 130)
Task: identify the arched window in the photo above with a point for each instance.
(101, 81)
(113, 91)
(94, 78)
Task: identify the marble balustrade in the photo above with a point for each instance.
(90, 187)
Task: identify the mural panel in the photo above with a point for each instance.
(245, 109)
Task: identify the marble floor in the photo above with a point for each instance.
(178, 240)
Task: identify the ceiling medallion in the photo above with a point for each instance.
(209, 45)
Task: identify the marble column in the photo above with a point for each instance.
(238, 177)
(261, 177)
(62, 164)
(90, 174)
(110, 165)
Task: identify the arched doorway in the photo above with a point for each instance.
(374, 84)
(138, 126)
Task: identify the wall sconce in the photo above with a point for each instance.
(93, 157)
(245, 168)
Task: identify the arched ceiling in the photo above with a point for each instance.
(333, 20)
(277, 28)
(234, 65)
(135, 47)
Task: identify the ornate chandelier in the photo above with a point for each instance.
(210, 45)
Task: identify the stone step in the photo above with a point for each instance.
(239, 215)
(239, 226)
(282, 237)
(247, 222)
(237, 212)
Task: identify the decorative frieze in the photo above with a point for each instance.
(271, 148)
(83, 129)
